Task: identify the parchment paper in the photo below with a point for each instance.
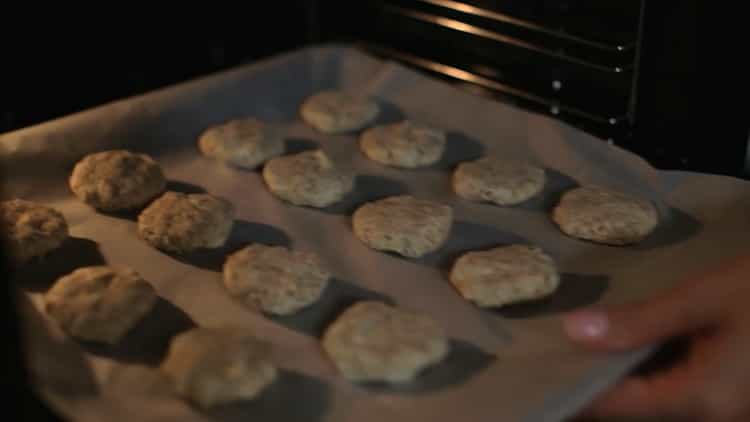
(511, 365)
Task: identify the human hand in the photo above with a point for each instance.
(712, 382)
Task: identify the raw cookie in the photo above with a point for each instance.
(403, 224)
(605, 216)
(275, 279)
(505, 275)
(217, 365)
(182, 223)
(308, 178)
(99, 303)
(245, 143)
(373, 341)
(405, 144)
(30, 229)
(501, 181)
(117, 180)
(337, 112)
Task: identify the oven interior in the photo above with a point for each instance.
(622, 70)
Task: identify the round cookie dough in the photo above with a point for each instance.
(274, 279)
(30, 229)
(505, 275)
(99, 303)
(605, 216)
(117, 180)
(338, 112)
(181, 223)
(373, 341)
(245, 143)
(496, 180)
(309, 178)
(403, 224)
(211, 366)
(405, 144)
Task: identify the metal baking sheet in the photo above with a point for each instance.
(512, 364)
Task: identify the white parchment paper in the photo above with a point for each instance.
(511, 365)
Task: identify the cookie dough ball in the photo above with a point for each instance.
(245, 143)
(211, 366)
(373, 341)
(308, 178)
(30, 229)
(403, 224)
(605, 216)
(182, 223)
(275, 279)
(338, 112)
(503, 182)
(405, 144)
(117, 180)
(100, 303)
(505, 275)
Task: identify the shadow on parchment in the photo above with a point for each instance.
(466, 236)
(464, 360)
(366, 188)
(130, 215)
(337, 296)
(172, 185)
(676, 226)
(459, 148)
(297, 145)
(555, 186)
(148, 341)
(40, 274)
(575, 291)
(389, 113)
(184, 187)
(243, 233)
(292, 397)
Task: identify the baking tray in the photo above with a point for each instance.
(513, 364)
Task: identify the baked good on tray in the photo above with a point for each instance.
(246, 142)
(181, 223)
(504, 275)
(336, 111)
(405, 144)
(275, 279)
(605, 216)
(211, 366)
(403, 224)
(372, 341)
(499, 181)
(117, 180)
(30, 229)
(309, 178)
(99, 303)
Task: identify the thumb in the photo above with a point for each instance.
(622, 327)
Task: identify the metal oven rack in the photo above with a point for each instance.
(576, 61)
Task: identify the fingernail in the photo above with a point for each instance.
(586, 325)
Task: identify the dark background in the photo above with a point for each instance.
(78, 64)
(683, 120)
(686, 120)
